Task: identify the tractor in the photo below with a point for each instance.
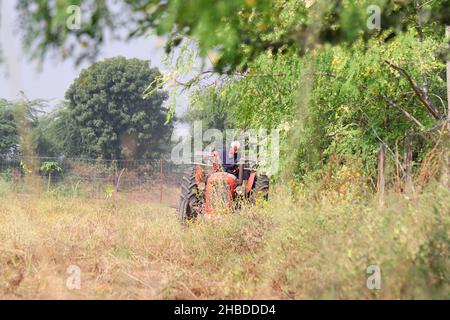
(207, 189)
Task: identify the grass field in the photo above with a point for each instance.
(133, 247)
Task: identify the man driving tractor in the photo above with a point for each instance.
(205, 189)
(228, 158)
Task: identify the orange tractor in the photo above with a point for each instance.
(207, 189)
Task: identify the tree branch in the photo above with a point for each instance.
(406, 113)
(417, 90)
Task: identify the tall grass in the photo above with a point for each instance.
(304, 248)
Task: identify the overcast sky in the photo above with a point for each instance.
(18, 73)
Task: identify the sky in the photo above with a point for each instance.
(50, 82)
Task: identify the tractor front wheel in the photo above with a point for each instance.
(188, 209)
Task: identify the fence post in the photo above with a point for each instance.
(161, 182)
(381, 181)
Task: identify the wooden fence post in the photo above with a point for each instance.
(381, 181)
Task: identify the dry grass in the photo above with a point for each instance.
(41, 237)
(131, 248)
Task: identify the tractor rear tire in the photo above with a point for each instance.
(188, 198)
(261, 188)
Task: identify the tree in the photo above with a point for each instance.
(19, 134)
(209, 107)
(8, 133)
(113, 118)
(49, 167)
(60, 133)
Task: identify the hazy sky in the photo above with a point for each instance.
(18, 73)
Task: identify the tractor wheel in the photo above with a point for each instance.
(261, 188)
(187, 210)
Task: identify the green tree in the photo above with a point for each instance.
(50, 167)
(209, 107)
(114, 119)
(19, 128)
(8, 133)
(60, 133)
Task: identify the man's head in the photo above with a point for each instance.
(234, 148)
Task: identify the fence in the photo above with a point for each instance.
(410, 173)
(93, 175)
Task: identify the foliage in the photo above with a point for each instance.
(239, 29)
(357, 100)
(50, 167)
(45, 27)
(113, 118)
(210, 108)
(105, 116)
(335, 239)
(8, 133)
(60, 133)
(19, 128)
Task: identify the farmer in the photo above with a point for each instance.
(228, 158)
(231, 157)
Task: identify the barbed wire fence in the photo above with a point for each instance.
(95, 177)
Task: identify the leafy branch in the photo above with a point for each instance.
(421, 95)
